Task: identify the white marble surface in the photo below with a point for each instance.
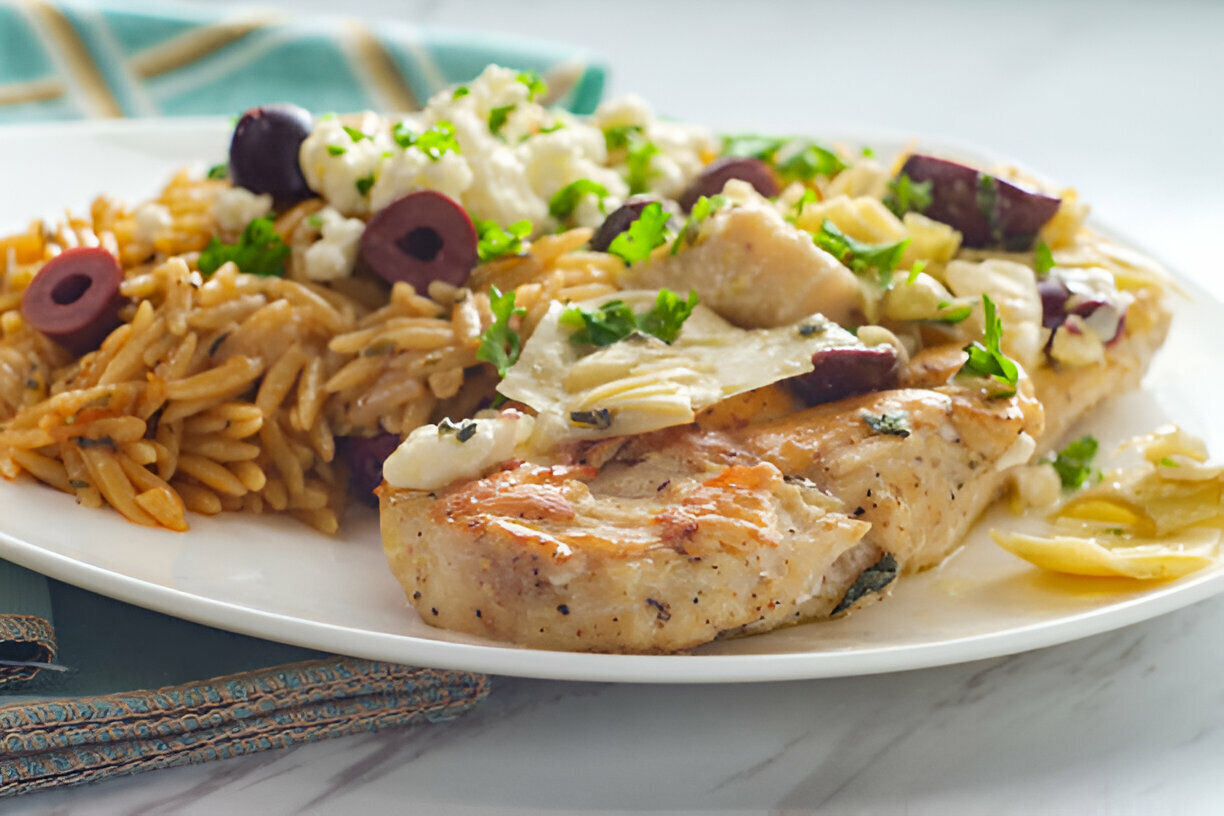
(1121, 99)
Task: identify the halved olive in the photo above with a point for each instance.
(422, 237)
(74, 299)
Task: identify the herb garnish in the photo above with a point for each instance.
(495, 242)
(463, 431)
(1043, 259)
(259, 251)
(434, 143)
(364, 183)
(500, 344)
(638, 162)
(618, 136)
(986, 358)
(563, 202)
(702, 210)
(498, 117)
(461, 92)
(809, 197)
(894, 424)
(218, 171)
(600, 419)
(752, 146)
(355, 134)
(808, 162)
(1074, 462)
(953, 313)
(615, 320)
(644, 234)
(859, 256)
(905, 194)
(536, 87)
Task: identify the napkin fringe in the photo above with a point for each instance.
(27, 632)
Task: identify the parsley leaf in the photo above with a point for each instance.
(867, 152)
(364, 183)
(986, 358)
(810, 161)
(615, 320)
(752, 146)
(952, 313)
(618, 136)
(500, 344)
(861, 257)
(402, 135)
(702, 209)
(355, 134)
(1043, 259)
(646, 233)
(218, 171)
(336, 150)
(496, 242)
(1074, 462)
(498, 117)
(536, 87)
(895, 424)
(434, 143)
(259, 251)
(638, 161)
(917, 269)
(461, 92)
(809, 197)
(563, 202)
(905, 194)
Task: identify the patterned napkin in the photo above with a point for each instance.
(69, 660)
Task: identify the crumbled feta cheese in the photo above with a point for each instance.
(236, 207)
(151, 220)
(433, 456)
(332, 257)
(334, 164)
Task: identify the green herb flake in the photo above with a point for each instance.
(599, 419)
(259, 251)
(402, 135)
(1043, 259)
(315, 221)
(461, 92)
(809, 197)
(355, 134)
(553, 128)
(810, 161)
(914, 272)
(615, 320)
(536, 87)
(617, 137)
(638, 162)
(905, 194)
(861, 257)
(702, 209)
(894, 424)
(561, 205)
(867, 152)
(498, 117)
(364, 183)
(500, 344)
(644, 234)
(336, 150)
(463, 431)
(986, 358)
(438, 140)
(752, 146)
(1074, 462)
(953, 313)
(218, 172)
(1166, 461)
(495, 242)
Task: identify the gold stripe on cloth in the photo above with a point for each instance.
(35, 90)
(377, 68)
(196, 44)
(561, 79)
(83, 73)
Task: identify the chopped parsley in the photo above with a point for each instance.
(859, 256)
(638, 162)
(536, 87)
(500, 344)
(336, 150)
(915, 271)
(434, 143)
(867, 152)
(808, 162)
(986, 358)
(364, 183)
(1043, 259)
(1074, 462)
(259, 251)
(217, 171)
(905, 194)
(315, 220)
(894, 424)
(498, 117)
(553, 128)
(617, 137)
(644, 234)
(561, 205)
(952, 312)
(1168, 461)
(752, 146)
(615, 320)
(702, 210)
(461, 92)
(495, 242)
(809, 197)
(355, 134)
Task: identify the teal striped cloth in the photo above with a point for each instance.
(90, 687)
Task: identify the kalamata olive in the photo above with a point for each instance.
(718, 172)
(1054, 294)
(74, 299)
(364, 456)
(263, 154)
(845, 371)
(987, 210)
(619, 220)
(1102, 317)
(422, 237)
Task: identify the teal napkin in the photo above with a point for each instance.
(90, 687)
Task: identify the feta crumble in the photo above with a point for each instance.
(333, 256)
(236, 207)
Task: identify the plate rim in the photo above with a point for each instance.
(683, 668)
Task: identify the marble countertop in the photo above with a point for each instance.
(1121, 99)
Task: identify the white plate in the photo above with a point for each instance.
(275, 579)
